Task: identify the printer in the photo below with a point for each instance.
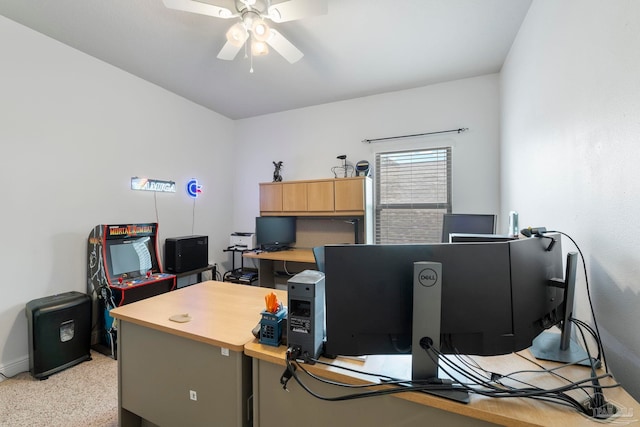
(239, 240)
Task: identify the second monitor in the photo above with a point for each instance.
(275, 233)
(467, 223)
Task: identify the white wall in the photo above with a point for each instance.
(570, 127)
(308, 140)
(73, 131)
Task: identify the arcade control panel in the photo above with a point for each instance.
(124, 282)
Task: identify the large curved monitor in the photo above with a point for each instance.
(495, 296)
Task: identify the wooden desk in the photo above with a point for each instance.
(410, 409)
(267, 260)
(161, 362)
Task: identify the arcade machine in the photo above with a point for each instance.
(123, 267)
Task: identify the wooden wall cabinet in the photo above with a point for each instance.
(321, 198)
(325, 197)
(349, 195)
(270, 198)
(294, 196)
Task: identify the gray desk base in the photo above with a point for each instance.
(157, 371)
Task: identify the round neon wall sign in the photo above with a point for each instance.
(193, 188)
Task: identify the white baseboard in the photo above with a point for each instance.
(14, 368)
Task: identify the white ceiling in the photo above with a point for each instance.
(360, 48)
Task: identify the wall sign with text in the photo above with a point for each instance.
(147, 184)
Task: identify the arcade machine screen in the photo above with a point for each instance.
(132, 257)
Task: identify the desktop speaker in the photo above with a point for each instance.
(186, 253)
(59, 332)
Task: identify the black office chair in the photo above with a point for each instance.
(318, 254)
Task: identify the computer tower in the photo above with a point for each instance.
(186, 253)
(59, 328)
(306, 320)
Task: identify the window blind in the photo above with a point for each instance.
(413, 191)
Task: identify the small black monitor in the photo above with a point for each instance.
(467, 223)
(275, 233)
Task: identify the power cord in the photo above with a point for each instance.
(489, 384)
(558, 394)
(593, 314)
(485, 383)
(295, 361)
(218, 275)
(540, 232)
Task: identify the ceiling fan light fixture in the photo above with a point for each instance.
(252, 32)
(259, 48)
(237, 34)
(260, 30)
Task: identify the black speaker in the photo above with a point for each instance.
(186, 253)
(59, 332)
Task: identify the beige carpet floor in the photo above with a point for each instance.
(85, 395)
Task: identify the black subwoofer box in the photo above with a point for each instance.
(59, 332)
(186, 253)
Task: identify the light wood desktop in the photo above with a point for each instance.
(414, 408)
(293, 255)
(266, 260)
(162, 363)
(203, 372)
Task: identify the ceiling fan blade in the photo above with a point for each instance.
(284, 47)
(198, 7)
(229, 51)
(297, 9)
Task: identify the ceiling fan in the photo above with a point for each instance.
(251, 27)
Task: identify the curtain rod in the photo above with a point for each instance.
(460, 130)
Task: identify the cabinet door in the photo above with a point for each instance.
(271, 197)
(320, 196)
(349, 194)
(294, 197)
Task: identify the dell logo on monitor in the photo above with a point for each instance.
(428, 277)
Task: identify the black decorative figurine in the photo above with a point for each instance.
(276, 173)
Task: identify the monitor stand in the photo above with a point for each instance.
(560, 347)
(551, 346)
(427, 296)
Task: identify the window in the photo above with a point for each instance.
(413, 191)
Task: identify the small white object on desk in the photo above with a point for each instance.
(180, 318)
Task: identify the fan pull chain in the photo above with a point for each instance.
(251, 55)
